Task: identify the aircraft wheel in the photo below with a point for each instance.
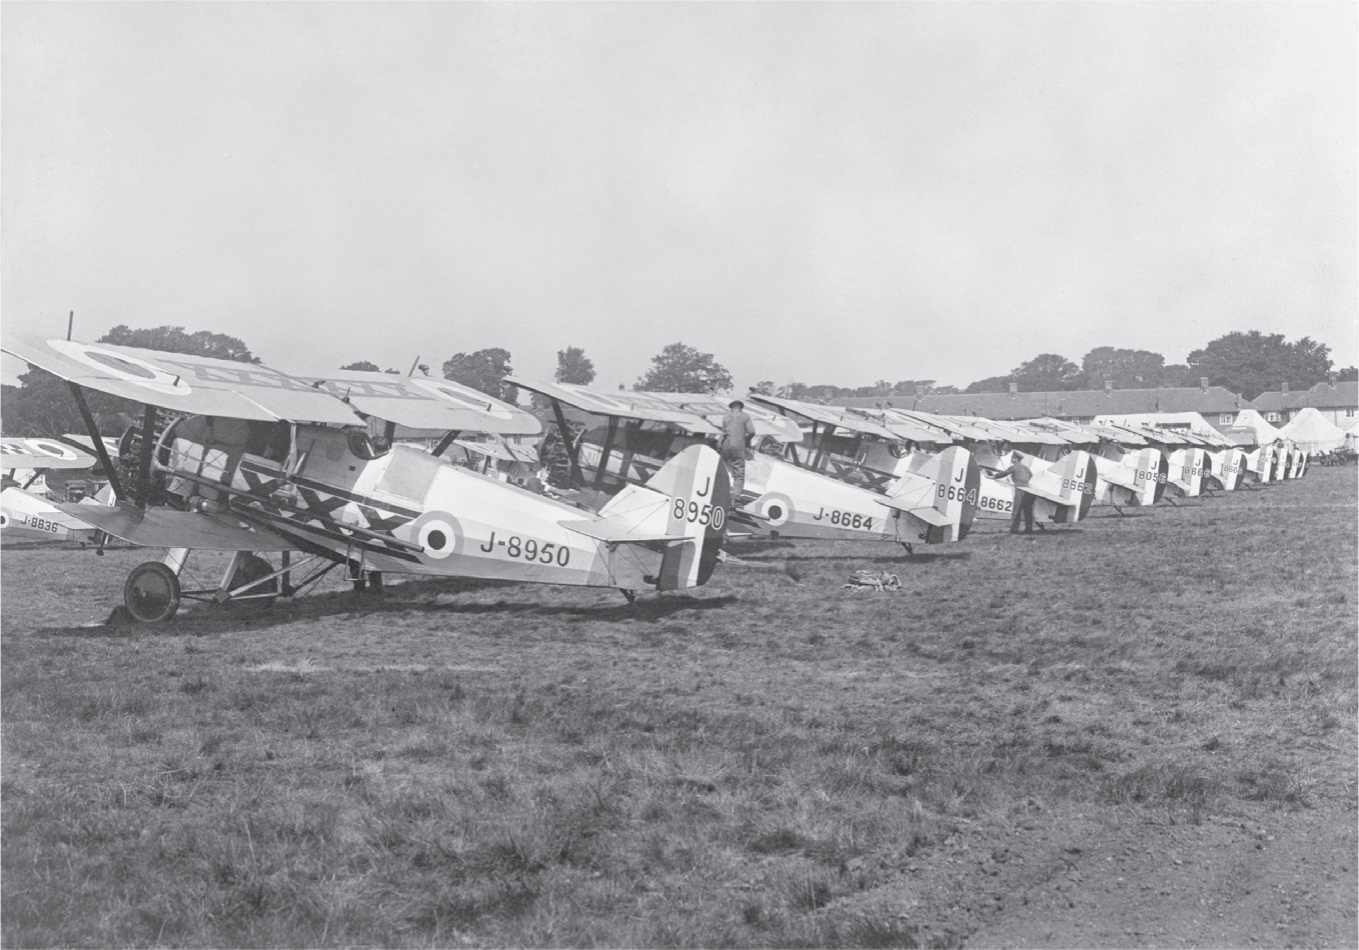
(252, 568)
(151, 593)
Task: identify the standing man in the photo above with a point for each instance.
(1021, 474)
(737, 431)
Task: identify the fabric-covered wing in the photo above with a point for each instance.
(42, 453)
(163, 528)
(181, 383)
(713, 408)
(427, 403)
(622, 405)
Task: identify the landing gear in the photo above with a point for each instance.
(365, 580)
(151, 593)
(249, 569)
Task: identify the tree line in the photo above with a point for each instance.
(1248, 363)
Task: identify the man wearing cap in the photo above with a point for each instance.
(1021, 474)
(737, 431)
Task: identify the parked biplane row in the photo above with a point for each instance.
(624, 491)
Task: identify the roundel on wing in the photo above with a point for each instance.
(54, 449)
(438, 534)
(774, 507)
(4, 518)
(122, 366)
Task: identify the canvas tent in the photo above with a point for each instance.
(1313, 432)
(1264, 432)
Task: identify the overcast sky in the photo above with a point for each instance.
(828, 193)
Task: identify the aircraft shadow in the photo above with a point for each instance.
(743, 549)
(407, 598)
(902, 558)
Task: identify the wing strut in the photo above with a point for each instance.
(99, 448)
(604, 454)
(148, 449)
(446, 441)
(572, 450)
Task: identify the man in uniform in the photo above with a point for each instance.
(1021, 474)
(737, 431)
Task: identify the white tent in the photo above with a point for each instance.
(1314, 432)
(1264, 432)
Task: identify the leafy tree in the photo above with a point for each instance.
(991, 384)
(573, 366)
(764, 387)
(1251, 363)
(1126, 369)
(794, 390)
(1179, 375)
(1047, 372)
(484, 370)
(1349, 374)
(176, 340)
(683, 369)
(363, 366)
(944, 390)
(42, 406)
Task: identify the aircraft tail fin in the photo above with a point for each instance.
(943, 493)
(669, 530)
(1068, 487)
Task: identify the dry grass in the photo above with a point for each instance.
(750, 764)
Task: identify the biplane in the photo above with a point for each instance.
(244, 458)
(1064, 480)
(911, 464)
(1129, 472)
(26, 514)
(781, 499)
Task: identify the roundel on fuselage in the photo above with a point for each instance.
(438, 533)
(774, 507)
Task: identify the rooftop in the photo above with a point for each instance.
(1320, 396)
(1066, 404)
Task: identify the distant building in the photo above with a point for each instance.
(1336, 401)
(1216, 404)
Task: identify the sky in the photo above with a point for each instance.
(814, 192)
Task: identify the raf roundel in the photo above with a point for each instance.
(122, 366)
(54, 449)
(775, 508)
(438, 534)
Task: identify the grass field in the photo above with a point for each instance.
(766, 761)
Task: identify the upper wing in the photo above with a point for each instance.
(646, 407)
(425, 403)
(767, 423)
(836, 416)
(182, 383)
(41, 453)
(164, 528)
